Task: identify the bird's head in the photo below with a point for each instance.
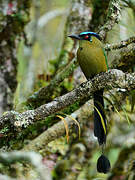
(85, 36)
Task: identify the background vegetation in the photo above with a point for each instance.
(39, 77)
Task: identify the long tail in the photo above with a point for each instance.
(100, 126)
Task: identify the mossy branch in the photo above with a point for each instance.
(40, 143)
(113, 17)
(121, 44)
(111, 79)
(44, 93)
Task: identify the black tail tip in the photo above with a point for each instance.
(103, 164)
(102, 140)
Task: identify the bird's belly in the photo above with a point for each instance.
(91, 64)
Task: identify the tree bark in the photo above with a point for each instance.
(14, 16)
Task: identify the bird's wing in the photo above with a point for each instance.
(105, 58)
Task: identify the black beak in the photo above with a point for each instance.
(74, 36)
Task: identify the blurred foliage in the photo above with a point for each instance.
(38, 53)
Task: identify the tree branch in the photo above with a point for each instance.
(11, 32)
(121, 44)
(130, 3)
(125, 57)
(111, 79)
(58, 129)
(113, 17)
(45, 92)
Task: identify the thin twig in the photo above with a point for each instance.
(121, 44)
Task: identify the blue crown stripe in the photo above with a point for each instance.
(91, 33)
(87, 32)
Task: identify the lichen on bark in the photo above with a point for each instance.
(14, 15)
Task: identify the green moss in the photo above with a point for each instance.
(4, 130)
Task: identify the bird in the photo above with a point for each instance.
(93, 60)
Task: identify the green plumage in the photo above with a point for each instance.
(92, 60)
(90, 56)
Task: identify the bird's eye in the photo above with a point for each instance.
(86, 37)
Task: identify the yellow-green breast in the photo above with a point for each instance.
(91, 57)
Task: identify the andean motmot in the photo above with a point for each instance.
(92, 60)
